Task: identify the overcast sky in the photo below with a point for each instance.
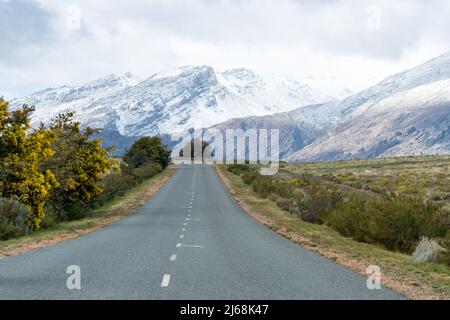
(48, 43)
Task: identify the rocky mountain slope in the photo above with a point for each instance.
(406, 114)
(187, 97)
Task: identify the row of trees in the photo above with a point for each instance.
(60, 168)
(60, 164)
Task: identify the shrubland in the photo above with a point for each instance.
(367, 210)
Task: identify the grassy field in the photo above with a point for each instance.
(426, 176)
(112, 211)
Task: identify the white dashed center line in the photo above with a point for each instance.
(192, 246)
(165, 280)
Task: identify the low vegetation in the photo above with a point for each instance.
(395, 217)
(405, 235)
(14, 218)
(61, 173)
(398, 223)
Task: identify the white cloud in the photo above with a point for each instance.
(52, 43)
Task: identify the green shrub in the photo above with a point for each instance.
(117, 183)
(398, 223)
(289, 205)
(282, 203)
(77, 210)
(305, 196)
(147, 150)
(238, 169)
(403, 221)
(263, 186)
(15, 219)
(51, 216)
(249, 177)
(352, 218)
(145, 171)
(316, 201)
(445, 256)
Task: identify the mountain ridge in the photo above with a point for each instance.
(404, 114)
(182, 98)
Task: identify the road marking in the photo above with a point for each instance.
(185, 224)
(192, 246)
(189, 219)
(165, 280)
(178, 245)
(181, 236)
(189, 215)
(184, 229)
(173, 257)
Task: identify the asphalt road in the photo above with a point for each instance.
(190, 241)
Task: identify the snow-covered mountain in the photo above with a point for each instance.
(81, 99)
(183, 98)
(341, 87)
(298, 128)
(406, 114)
